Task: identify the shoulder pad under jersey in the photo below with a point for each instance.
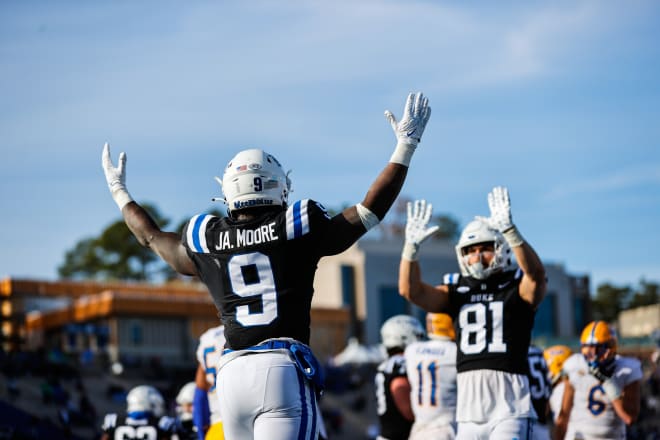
(394, 365)
(166, 423)
(109, 421)
(519, 274)
(451, 278)
(195, 233)
(299, 216)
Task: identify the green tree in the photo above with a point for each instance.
(609, 301)
(115, 254)
(645, 295)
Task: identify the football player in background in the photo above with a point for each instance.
(259, 264)
(555, 356)
(206, 413)
(144, 419)
(492, 304)
(186, 430)
(602, 393)
(431, 369)
(540, 389)
(392, 387)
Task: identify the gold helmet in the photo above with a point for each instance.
(440, 325)
(555, 357)
(600, 335)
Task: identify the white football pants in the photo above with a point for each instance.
(507, 429)
(263, 396)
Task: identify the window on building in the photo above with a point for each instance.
(391, 303)
(136, 333)
(545, 321)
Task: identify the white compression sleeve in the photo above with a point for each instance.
(368, 218)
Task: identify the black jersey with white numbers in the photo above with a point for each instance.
(260, 272)
(493, 323)
(393, 426)
(138, 427)
(539, 383)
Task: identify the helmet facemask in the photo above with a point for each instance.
(598, 345)
(478, 232)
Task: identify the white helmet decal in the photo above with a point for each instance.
(254, 178)
(479, 232)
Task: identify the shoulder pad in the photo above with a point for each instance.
(394, 365)
(195, 233)
(166, 423)
(519, 274)
(109, 421)
(451, 278)
(297, 218)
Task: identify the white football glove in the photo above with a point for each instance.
(116, 177)
(500, 208)
(500, 216)
(419, 215)
(409, 129)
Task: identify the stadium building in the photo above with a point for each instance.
(356, 291)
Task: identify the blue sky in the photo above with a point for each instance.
(559, 101)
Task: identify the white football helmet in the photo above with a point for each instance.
(254, 178)
(145, 398)
(479, 232)
(185, 397)
(401, 330)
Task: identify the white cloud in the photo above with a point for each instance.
(617, 180)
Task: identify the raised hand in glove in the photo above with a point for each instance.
(419, 215)
(610, 386)
(500, 215)
(116, 177)
(409, 129)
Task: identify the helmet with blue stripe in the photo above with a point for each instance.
(254, 178)
(602, 336)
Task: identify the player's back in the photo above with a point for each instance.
(431, 370)
(392, 424)
(121, 426)
(260, 272)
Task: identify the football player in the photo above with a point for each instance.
(207, 405)
(555, 357)
(492, 304)
(144, 419)
(258, 263)
(540, 389)
(431, 369)
(186, 430)
(392, 387)
(602, 393)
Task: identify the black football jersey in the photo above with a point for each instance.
(539, 383)
(125, 427)
(260, 272)
(393, 426)
(493, 323)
